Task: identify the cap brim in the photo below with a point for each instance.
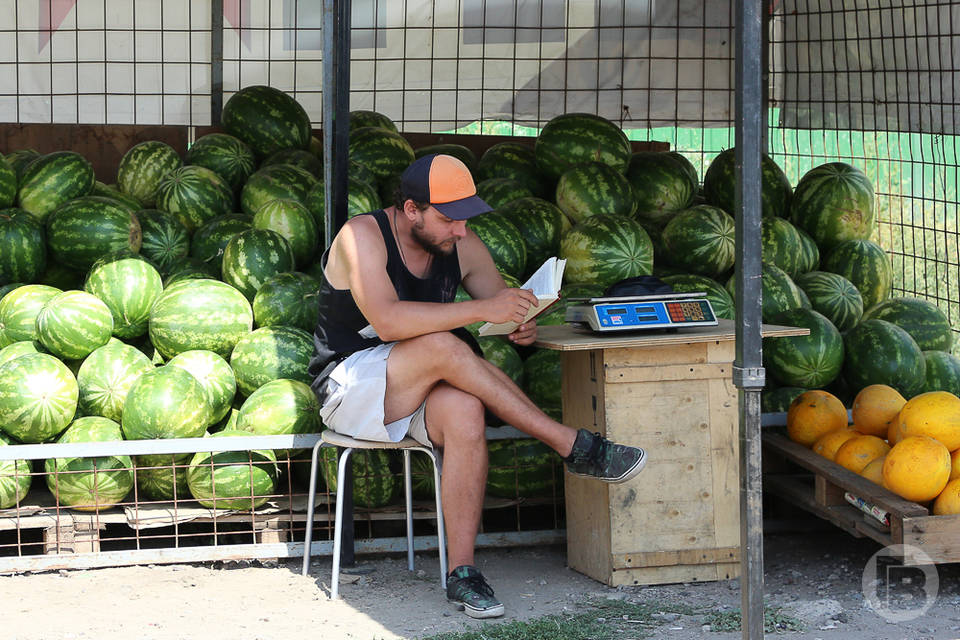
(464, 208)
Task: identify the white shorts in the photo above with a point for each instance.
(354, 402)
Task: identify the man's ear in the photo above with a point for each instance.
(410, 209)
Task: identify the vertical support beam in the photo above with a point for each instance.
(216, 61)
(748, 370)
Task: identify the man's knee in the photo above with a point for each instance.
(460, 414)
(442, 347)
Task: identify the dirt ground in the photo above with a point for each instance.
(816, 577)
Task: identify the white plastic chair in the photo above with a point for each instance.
(349, 444)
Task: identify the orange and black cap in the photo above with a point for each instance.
(444, 182)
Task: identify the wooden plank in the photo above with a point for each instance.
(800, 495)
(655, 356)
(102, 145)
(675, 574)
(666, 373)
(567, 337)
(844, 478)
(827, 493)
(937, 536)
(671, 558)
(724, 431)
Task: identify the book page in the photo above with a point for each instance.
(545, 283)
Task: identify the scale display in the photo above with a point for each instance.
(669, 311)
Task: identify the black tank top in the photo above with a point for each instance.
(340, 323)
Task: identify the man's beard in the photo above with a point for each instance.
(427, 243)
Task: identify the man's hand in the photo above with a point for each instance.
(509, 305)
(525, 334)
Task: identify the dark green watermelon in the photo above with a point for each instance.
(594, 188)
(230, 157)
(720, 182)
(23, 247)
(273, 182)
(85, 229)
(778, 400)
(781, 244)
(809, 361)
(209, 240)
(53, 179)
(289, 299)
(271, 353)
(498, 192)
(384, 152)
(376, 482)
(834, 296)
(516, 161)
(834, 203)
(194, 195)
(701, 240)
(542, 379)
(809, 259)
(661, 184)
(573, 138)
(165, 241)
(253, 256)
(880, 352)
(539, 223)
(458, 151)
(503, 240)
(778, 291)
(866, 265)
(142, 168)
(719, 297)
(298, 158)
(8, 184)
(523, 468)
(502, 354)
(267, 119)
(294, 222)
(606, 249)
(366, 118)
(942, 372)
(925, 323)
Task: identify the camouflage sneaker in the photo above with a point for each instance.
(594, 456)
(467, 588)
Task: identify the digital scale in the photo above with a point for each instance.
(665, 311)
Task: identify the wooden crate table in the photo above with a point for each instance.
(673, 394)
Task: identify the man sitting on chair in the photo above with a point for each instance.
(392, 358)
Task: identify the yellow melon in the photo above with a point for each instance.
(858, 452)
(874, 471)
(875, 408)
(894, 434)
(828, 443)
(955, 464)
(935, 414)
(813, 414)
(917, 468)
(948, 502)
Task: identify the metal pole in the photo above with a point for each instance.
(216, 61)
(748, 373)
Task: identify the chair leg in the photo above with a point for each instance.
(441, 531)
(408, 495)
(341, 472)
(311, 496)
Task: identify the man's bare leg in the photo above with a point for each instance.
(416, 365)
(455, 424)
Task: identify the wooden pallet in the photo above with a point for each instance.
(811, 482)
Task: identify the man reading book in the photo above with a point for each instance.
(392, 358)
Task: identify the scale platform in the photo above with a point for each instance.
(664, 311)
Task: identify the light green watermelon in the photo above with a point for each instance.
(280, 407)
(90, 484)
(271, 353)
(129, 286)
(15, 479)
(606, 249)
(74, 323)
(105, 377)
(214, 374)
(38, 397)
(233, 479)
(19, 310)
(167, 402)
(294, 222)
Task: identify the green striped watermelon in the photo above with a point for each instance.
(523, 468)
(375, 481)
(19, 160)
(778, 400)
(38, 397)
(384, 152)
(85, 229)
(880, 352)
(701, 240)
(719, 297)
(361, 198)
(606, 249)
(294, 222)
(781, 244)
(190, 269)
(502, 354)
(19, 310)
(834, 203)
(17, 349)
(809, 253)
(942, 372)
(112, 193)
(199, 314)
(516, 161)
(74, 323)
(720, 183)
(556, 314)
(275, 181)
(254, 256)
(194, 195)
(233, 479)
(267, 119)
(458, 151)
(142, 168)
(106, 376)
(834, 296)
(215, 376)
(60, 276)
(539, 223)
(925, 323)
(811, 361)
(227, 155)
(280, 407)
(23, 248)
(166, 402)
(688, 169)
(866, 265)
(779, 293)
(15, 479)
(129, 286)
(360, 118)
(271, 353)
(209, 240)
(661, 184)
(289, 299)
(541, 381)
(7, 288)
(90, 484)
(165, 241)
(499, 192)
(573, 138)
(503, 240)
(162, 477)
(298, 158)
(53, 179)
(594, 188)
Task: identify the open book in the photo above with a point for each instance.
(545, 283)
